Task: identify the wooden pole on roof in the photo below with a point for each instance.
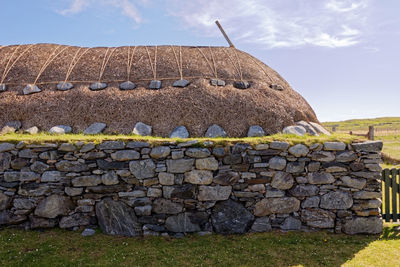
(224, 34)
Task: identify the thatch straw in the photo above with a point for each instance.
(197, 106)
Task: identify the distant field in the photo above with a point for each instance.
(386, 129)
(382, 125)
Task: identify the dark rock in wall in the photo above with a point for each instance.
(5, 160)
(7, 218)
(77, 219)
(117, 218)
(230, 217)
(186, 222)
(53, 206)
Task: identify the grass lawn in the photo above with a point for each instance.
(63, 248)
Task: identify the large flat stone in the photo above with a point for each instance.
(39, 167)
(304, 190)
(125, 155)
(336, 200)
(230, 217)
(276, 206)
(110, 165)
(165, 206)
(142, 169)
(334, 146)
(159, 152)
(33, 190)
(209, 163)
(320, 178)
(186, 222)
(4, 201)
(117, 218)
(90, 180)
(197, 152)
(53, 206)
(202, 177)
(261, 224)
(110, 145)
(367, 195)
(291, 223)
(323, 156)
(365, 225)
(4, 147)
(77, 219)
(51, 176)
(227, 178)
(318, 218)
(21, 176)
(179, 165)
(369, 146)
(282, 181)
(71, 166)
(279, 145)
(277, 163)
(185, 191)
(299, 150)
(5, 161)
(353, 182)
(214, 193)
(8, 218)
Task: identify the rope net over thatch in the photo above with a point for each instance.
(196, 106)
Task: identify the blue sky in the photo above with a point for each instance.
(343, 56)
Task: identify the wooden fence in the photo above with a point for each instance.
(390, 194)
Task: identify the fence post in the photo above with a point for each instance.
(371, 133)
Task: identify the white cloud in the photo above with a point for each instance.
(347, 31)
(345, 5)
(269, 23)
(126, 7)
(277, 23)
(75, 7)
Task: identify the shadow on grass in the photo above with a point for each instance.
(64, 248)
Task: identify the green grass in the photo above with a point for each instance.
(63, 248)
(391, 145)
(386, 123)
(293, 139)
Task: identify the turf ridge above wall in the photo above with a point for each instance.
(139, 188)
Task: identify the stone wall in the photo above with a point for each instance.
(137, 188)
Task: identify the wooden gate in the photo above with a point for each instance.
(390, 195)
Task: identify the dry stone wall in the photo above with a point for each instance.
(137, 188)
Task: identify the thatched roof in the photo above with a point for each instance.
(196, 106)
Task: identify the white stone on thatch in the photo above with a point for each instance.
(179, 132)
(95, 128)
(31, 89)
(142, 129)
(60, 129)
